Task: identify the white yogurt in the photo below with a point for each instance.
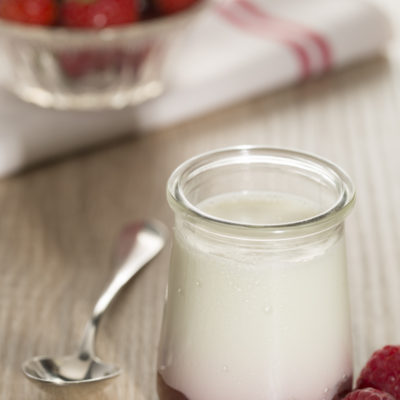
(255, 325)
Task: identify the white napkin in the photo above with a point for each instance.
(231, 52)
(220, 63)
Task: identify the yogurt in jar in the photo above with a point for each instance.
(256, 322)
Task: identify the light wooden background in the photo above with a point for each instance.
(58, 221)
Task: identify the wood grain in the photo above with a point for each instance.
(58, 223)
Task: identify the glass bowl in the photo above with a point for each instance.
(82, 69)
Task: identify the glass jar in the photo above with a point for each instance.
(257, 303)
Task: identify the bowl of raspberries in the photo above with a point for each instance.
(88, 54)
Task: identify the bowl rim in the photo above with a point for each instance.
(55, 34)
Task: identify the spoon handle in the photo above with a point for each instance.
(137, 245)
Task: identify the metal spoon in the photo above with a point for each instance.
(138, 243)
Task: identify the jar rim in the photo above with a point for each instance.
(333, 215)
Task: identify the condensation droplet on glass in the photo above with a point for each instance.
(392, 378)
(198, 283)
(267, 309)
(326, 390)
(163, 368)
(345, 377)
(179, 290)
(225, 368)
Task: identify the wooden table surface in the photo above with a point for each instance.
(58, 222)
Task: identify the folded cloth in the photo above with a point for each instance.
(247, 47)
(29, 134)
(233, 51)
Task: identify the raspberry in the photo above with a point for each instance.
(172, 6)
(36, 12)
(382, 371)
(98, 13)
(368, 394)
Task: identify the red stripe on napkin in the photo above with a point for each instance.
(292, 28)
(265, 30)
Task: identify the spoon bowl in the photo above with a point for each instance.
(138, 244)
(68, 370)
